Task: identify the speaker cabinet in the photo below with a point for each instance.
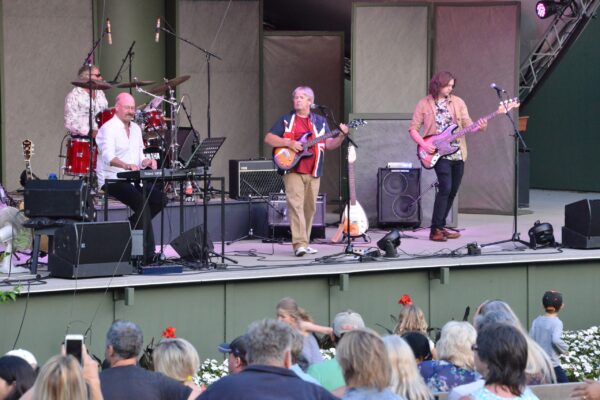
(279, 223)
(398, 200)
(256, 178)
(58, 199)
(582, 225)
(93, 249)
(189, 244)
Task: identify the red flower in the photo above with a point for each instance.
(405, 300)
(169, 333)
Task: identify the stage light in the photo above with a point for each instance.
(541, 235)
(389, 242)
(547, 8)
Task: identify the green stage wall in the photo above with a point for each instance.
(210, 313)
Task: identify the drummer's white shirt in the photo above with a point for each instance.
(113, 142)
(77, 109)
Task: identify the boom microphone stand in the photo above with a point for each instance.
(515, 238)
(129, 56)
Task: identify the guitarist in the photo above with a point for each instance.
(435, 113)
(302, 182)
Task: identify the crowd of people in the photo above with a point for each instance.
(493, 357)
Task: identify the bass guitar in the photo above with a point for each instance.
(443, 141)
(356, 218)
(286, 158)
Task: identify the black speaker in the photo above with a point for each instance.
(58, 199)
(279, 225)
(189, 244)
(582, 225)
(93, 249)
(260, 175)
(397, 196)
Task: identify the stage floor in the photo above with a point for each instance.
(258, 260)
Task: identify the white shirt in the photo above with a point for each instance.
(113, 142)
(77, 108)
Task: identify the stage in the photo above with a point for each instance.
(258, 260)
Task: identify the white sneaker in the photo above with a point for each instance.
(310, 250)
(300, 251)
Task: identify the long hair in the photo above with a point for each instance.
(15, 370)
(364, 360)
(438, 81)
(411, 319)
(61, 378)
(291, 308)
(176, 358)
(406, 381)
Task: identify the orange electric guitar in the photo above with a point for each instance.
(286, 158)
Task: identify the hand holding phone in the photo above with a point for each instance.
(74, 346)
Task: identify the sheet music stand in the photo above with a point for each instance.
(202, 156)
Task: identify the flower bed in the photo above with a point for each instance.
(583, 359)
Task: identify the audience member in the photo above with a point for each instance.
(329, 373)
(406, 381)
(412, 319)
(501, 356)
(456, 365)
(299, 364)
(178, 359)
(289, 312)
(547, 331)
(125, 379)
(236, 351)
(27, 356)
(16, 377)
(590, 390)
(63, 378)
(267, 376)
(539, 367)
(366, 366)
(419, 343)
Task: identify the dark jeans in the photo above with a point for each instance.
(132, 196)
(449, 175)
(561, 377)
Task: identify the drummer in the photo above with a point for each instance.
(77, 104)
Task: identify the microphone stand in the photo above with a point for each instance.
(208, 55)
(515, 238)
(129, 55)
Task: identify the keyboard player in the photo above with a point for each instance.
(121, 148)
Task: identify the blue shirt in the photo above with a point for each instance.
(362, 393)
(441, 376)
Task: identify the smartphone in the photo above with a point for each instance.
(74, 346)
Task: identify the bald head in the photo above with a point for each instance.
(125, 107)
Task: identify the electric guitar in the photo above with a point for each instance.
(27, 153)
(286, 158)
(442, 141)
(359, 224)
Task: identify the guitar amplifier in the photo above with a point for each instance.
(256, 178)
(278, 215)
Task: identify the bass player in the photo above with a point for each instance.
(435, 113)
(302, 181)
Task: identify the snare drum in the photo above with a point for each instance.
(78, 156)
(103, 116)
(154, 121)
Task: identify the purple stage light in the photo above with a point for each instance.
(541, 9)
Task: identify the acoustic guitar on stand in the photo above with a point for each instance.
(443, 141)
(356, 219)
(286, 158)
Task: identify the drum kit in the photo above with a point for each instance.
(150, 117)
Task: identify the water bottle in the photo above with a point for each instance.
(52, 176)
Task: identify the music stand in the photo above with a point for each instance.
(202, 156)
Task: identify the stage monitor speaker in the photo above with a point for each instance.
(279, 225)
(189, 244)
(58, 199)
(260, 175)
(92, 249)
(398, 193)
(582, 225)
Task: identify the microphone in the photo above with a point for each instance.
(157, 30)
(498, 89)
(108, 31)
(317, 106)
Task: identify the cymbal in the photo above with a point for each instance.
(135, 83)
(169, 84)
(95, 84)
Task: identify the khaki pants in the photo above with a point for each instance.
(301, 192)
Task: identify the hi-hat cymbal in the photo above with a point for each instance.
(170, 84)
(135, 83)
(92, 84)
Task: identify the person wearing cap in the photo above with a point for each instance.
(547, 331)
(236, 351)
(329, 372)
(25, 355)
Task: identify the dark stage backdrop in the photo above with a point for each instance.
(479, 44)
(232, 31)
(314, 59)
